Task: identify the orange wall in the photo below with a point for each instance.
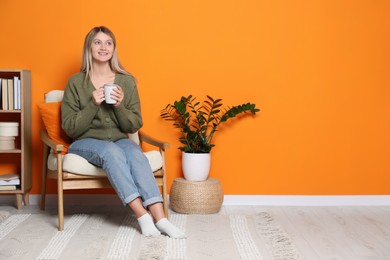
(319, 70)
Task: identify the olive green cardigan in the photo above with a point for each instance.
(81, 118)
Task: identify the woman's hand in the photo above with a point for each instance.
(98, 96)
(117, 94)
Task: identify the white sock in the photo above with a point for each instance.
(169, 229)
(147, 226)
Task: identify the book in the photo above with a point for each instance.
(16, 94)
(18, 99)
(10, 182)
(4, 94)
(8, 176)
(1, 101)
(8, 187)
(10, 94)
(9, 179)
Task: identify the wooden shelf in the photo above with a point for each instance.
(19, 158)
(11, 151)
(10, 111)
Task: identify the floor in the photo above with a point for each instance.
(333, 232)
(356, 232)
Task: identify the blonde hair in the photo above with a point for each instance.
(86, 65)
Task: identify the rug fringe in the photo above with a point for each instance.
(276, 239)
(4, 215)
(153, 248)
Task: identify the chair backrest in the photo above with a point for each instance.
(54, 96)
(57, 95)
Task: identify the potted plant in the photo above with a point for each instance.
(198, 123)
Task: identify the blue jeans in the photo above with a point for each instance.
(126, 166)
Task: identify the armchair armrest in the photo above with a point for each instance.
(152, 141)
(58, 148)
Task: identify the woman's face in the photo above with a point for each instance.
(102, 47)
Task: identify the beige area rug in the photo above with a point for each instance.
(114, 234)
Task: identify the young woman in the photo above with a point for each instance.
(99, 130)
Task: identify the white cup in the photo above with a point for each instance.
(107, 93)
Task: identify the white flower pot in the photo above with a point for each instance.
(196, 166)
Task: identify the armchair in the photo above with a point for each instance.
(74, 172)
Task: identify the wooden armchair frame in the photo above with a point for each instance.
(70, 181)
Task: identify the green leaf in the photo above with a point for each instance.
(199, 123)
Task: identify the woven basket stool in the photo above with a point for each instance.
(196, 197)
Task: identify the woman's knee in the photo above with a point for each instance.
(113, 153)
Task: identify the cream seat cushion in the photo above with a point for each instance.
(76, 164)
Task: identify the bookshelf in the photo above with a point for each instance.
(18, 160)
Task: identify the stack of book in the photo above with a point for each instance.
(10, 93)
(9, 181)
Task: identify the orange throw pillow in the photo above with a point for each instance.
(51, 116)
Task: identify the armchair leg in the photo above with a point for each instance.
(60, 207)
(166, 209)
(60, 189)
(44, 177)
(164, 194)
(43, 193)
